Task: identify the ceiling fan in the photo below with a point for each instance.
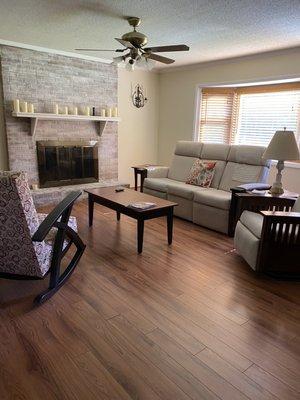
(134, 43)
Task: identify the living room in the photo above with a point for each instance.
(150, 240)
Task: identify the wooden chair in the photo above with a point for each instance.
(270, 241)
(33, 245)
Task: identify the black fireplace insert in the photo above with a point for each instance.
(67, 162)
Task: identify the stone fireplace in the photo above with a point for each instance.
(63, 152)
(63, 163)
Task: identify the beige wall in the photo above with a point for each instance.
(178, 89)
(138, 130)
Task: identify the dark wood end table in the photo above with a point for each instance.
(260, 201)
(141, 170)
(119, 202)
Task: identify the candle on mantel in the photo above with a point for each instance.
(115, 112)
(108, 112)
(102, 112)
(23, 106)
(75, 110)
(87, 111)
(56, 109)
(66, 110)
(16, 104)
(31, 108)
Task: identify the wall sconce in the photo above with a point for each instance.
(139, 99)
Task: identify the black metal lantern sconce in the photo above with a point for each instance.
(139, 98)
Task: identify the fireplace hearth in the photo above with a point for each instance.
(63, 163)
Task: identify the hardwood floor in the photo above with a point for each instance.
(189, 321)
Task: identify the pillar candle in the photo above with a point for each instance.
(75, 110)
(56, 110)
(16, 105)
(115, 112)
(108, 112)
(103, 112)
(87, 111)
(23, 106)
(30, 108)
(66, 110)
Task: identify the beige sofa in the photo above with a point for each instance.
(209, 207)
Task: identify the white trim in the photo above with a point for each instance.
(249, 82)
(53, 51)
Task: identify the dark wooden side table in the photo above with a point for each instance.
(264, 201)
(142, 171)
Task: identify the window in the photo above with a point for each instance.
(248, 115)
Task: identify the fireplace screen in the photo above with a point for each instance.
(67, 163)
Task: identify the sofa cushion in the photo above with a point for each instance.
(244, 154)
(253, 222)
(159, 184)
(171, 186)
(180, 167)
(236, 174)
(201, 173)
(188, 148)
(215, 151)
(214, 198)
(183, 190)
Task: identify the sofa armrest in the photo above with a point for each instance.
(157, 172)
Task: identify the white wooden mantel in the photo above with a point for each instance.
(35, 117)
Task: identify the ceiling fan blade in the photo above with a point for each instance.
(160, 49)
(118, 60)
(99, 50)
(161, 59)
(125, 43)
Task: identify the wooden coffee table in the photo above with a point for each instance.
(119, 201)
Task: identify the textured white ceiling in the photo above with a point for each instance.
(214, 29)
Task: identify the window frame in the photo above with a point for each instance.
(251, 84)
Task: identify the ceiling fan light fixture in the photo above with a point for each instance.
(134, 42)
(130, 65)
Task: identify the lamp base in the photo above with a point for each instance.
(276, 190)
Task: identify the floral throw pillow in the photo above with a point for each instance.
(201, 173)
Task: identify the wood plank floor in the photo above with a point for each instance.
(189, 321)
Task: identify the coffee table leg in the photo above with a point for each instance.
(91, 210)
(118, 216)
(140, 234)
(170, 225)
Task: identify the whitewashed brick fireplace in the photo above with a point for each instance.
(46, 79)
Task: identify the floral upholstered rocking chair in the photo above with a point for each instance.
(32, 245)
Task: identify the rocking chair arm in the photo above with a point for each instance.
(54, 215)
(284, 216)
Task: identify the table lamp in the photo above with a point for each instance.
(282, 147)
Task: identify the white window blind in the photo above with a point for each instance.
(249, 115)
(262, 114)
(215, 117)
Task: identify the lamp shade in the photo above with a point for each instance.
(283, 146)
